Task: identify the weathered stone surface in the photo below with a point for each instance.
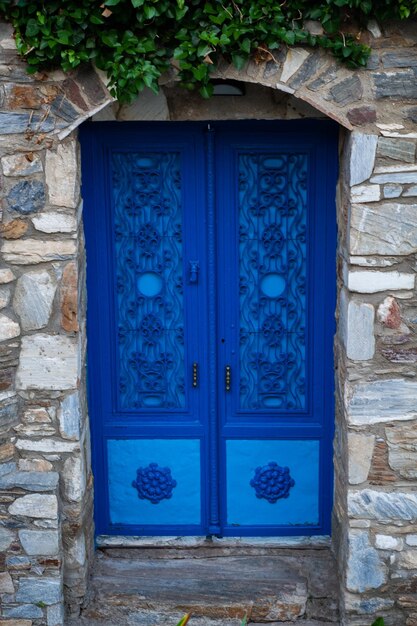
(26, 611)
(374, 281)
(74, 479)
(48, 362)
(307, 70)
(15, 123)
(294, 60)
(31, 481)
(402, 450)
(61, 169)
(35, 505)
(410, 192)
(389, 228)
(36, 590)
(7, 468)
(147, 106)
(383, 506)
(366, 193)
(6, 276)
(46, 445)
(8, 328)
(36, 416)
(5, 296)
(17, 622)
(389, 313)
(365, 569)
(62, 108)
(34, 465)
(362, 150)
(347, 91)
(13, 229)
(398, 149)
(398, 354)
(411, 540)
(400, 84)
(326, 77)
(366, 606)
(32, 251)
(380, 472)
(6, 538)
(55, 615)
(76, 552)
(22, 97)
(21, 164)
(362, 115)
(387, 542)
(381, 401)
(399, 58)
(26, 197)
(361, 449)
(392, 191)
(69, 416)
(69, 298)
(395, 177)
(39, 542)
(6, 583)
(408, 560)
(358, 331)
(55, 222)
(34, 298)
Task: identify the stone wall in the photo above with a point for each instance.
(46, 495)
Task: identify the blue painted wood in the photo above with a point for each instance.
(256, 205)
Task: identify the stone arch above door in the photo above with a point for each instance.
(44, 441)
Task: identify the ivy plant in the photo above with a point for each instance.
(135, 41)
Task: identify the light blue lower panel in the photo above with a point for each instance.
(263, 502)
(173, 499)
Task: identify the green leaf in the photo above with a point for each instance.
(379, 622)
(137, 3)
(238, 60)
(32, 28)
(149, 12)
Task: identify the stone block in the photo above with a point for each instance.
(6, 538)
(13, 229)
(39, 542)
(69, 416)
(408, 559)
(8, 328)
(382, 506)
(48, 362)
(24, 611)
(366, 193)
(74, 477)
(380, 401)
(401, 84)
(6, 276)
(33, 299)
(365, 568)
(36, 416)
(387, 229)
(16, 123)
(55, 222)
(22, 164)
(62, 108)
(360, 116)
(30, 481)
(294, 60)
(69, 298)
(395, 177)
(148, 106)
(366, 606)
(7, 468)
(347, 91)
(55, 615)
(18, 563)
(361, 150)
(61, 170)
(358, 333)
(375, 281)
(389, 313)
(411, 192)
(32, 251)
(411, 540)
(6, 583)
(37, 590)
(360, 449)
(76, 552)
(47, 445)
(5, 296)
(35, 505)
(397, 149)
(402, 450)
(387, 542)
(26, 197)
(392, 191)
(35, 465)
(399, 58)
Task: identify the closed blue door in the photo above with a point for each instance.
(210, 267)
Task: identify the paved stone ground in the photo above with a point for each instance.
(156, 587)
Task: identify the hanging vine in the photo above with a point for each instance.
(135, 41)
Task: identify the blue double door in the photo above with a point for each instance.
(210, 267)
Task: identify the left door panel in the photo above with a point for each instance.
(144, 196)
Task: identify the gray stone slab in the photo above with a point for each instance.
(382, 506)
(307, 70)
(398, 149)
(27, 197)
(402, 84)
(15, 123)
(39, 542)
(389, 228)
(362, 149)
(25, 611)
(347, 91)
(6, 538)
(399, 58)
(365, 569)
(36, 590)
(7, 468)
(388, 400)
(31, 481)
